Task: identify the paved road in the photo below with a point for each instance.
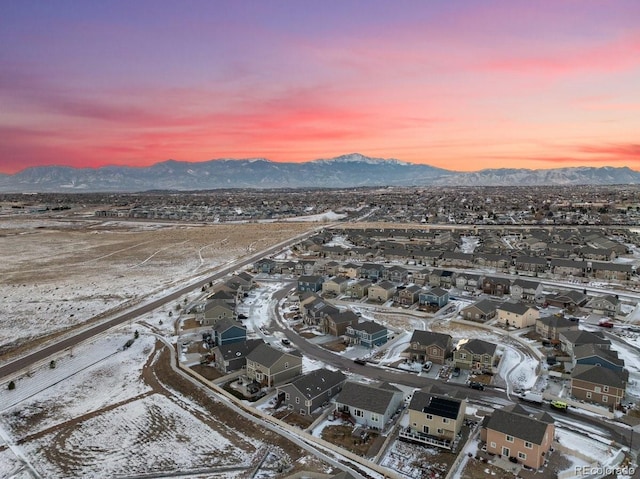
(87, 333)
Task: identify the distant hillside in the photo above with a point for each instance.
(342, 172)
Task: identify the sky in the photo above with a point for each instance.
(463, 85)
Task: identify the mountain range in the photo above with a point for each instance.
(346, 171)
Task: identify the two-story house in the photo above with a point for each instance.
(228, 331)
(233, 356)
(429, 346)
(359, 289)
(434, 419)
(595, 356)
(551, 327)
(475, 354)
(527, 291)
(408, 295)
(599, 385)
(336, 324)
(608, 305)
(517, 315)
(514, 432)
(310, 391)
(367, 333)
(381, 292)
(335, 286)
(310, 283)
(480, 311)
(436, 297)
(269, 366)
(216, 310)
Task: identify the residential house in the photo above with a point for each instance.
(429, 346)
(396, 274)
(441, 278)
(331, 268)
(495, 286)
(608, 305)
(265, 265)
(421, 277)
(408, 295)
(468, 282)
(311, 391)
(336, 324)
(514, 432)
(459, 260)
(311, 283)
(215, 310)
(305, 268)
(367, 333)
(497, 261)
(612, 271)
(525, 290)
(572, 339)
(367, 404)
(372, 271)
(569, 300)
(596, 356)
(359, 289)
(599, 384)
(434, 419)
(316, 309)
(434, 297)
(481, 311)
(517, 315)
(475, 354)
(269, 366)
(233, 356)
(567, 267)
(381, 292)
(597, 254)
(350, 270)
(227, 296)
(551, 327)
(335, 286)
(228, 331)
(531, 265)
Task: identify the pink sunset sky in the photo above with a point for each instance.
(461, 85)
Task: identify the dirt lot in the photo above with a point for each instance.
(341, 435)
(58, 273)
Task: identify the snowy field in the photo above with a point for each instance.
(56, 274)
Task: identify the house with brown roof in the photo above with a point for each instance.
(495, 286)
(569, 300)
(568, 267)
(480, 311)
(336, 324)
(434, 419)
(514, 432)
(517, 315)
(429, 346)
(599, 384)
(408, 295)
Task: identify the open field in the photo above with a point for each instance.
(57, 274)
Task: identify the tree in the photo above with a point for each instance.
(136, 334)
(52, 364)
(12, 386)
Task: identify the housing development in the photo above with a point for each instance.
(458, 333)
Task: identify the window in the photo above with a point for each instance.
(286, 396)
(597, 389)
(509, 438)
(445, 420)
(429, 417)
(297, 400)
(528, 445)
(522, 455)
(463, 355)
(588, 394)
(358, 413)
(440, 431)
(605, 389)
(286, 365)
(493, 444)
(302, 412)
(375, 417)
(605, 398)
(425, 429)
(505, 451)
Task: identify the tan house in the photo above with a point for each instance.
(215, 310)
(434, 419)
(350, 270)
(481, 311)
(513, 432)
(336, 285)
(382, 291)
(269, 366)
(429, 346)
(599, 384)
(475, 354)
(608, 305)
(551, 327)
(360, 289)
(517, 315)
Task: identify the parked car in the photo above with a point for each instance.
(476, 385)
(360, 361)
(286, 342)
(242, 316)
(561, 405)
(427, 366)
(456, 372)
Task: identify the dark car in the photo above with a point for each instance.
(286, 342)
(476, 385)
(456, 372)
(359, 361)
(242, 316)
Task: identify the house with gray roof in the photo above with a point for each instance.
(367, 333)
(570, 340)
(480, 311)
(429, 346)
(551, 327)
(569, 300)
(228, 330)
(517, 315)
(475, 354)
(599, 384)
(596, 356)
(513, 432)
(526, 290)
(233, 356)
(269, 366)
(608, 305)
(434, 419)
(367, 404)
(311, 391)
(612, 271)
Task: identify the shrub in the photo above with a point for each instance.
(12, 386)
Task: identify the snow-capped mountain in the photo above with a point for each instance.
(347, 171)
